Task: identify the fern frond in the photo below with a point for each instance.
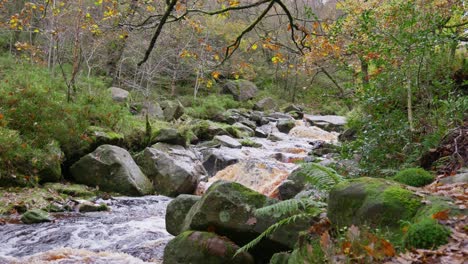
(325, 180)
(288, 207)
(274, 227)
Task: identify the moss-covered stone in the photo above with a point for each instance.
(416, 177)
(176, 212)
(75, 190)
(203, 248)
(23, 199)
(250, 143)
(427, 234)
(35, 216)
(372, 201)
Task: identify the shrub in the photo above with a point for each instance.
(426, 234)
(416, 177)
(211, 106)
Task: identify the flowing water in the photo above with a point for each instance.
(133, 231)
(134, 225)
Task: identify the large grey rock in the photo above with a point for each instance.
(285, 125)
(215, 159)
(294, 110)
(171, 136)
(176, 212)
(266, 104)
(173, 169)
(241, 90)
(113, 170)
(458, 178)
(327, 122)
(119, 94)
(228, 141)
(172, 110)
(194, 247)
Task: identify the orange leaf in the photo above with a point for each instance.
(346, 247)
(387, 248)
(442, 215)
(1, 116)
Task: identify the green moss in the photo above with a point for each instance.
(427, 234)
(75, 190)
(416, 177)
(250, 143)
(436, 204)
(396, 197)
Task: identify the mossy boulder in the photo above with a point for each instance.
(427, 234)
(228, 209)
(173, 169)
(113, 170)
(416, 177)
(196, 247)
(52, 171)
(176, 212)
(35, 216)
(285, 125)
(102, 136)
(265, 104)
(172, 110)
(206, 130)
(373, 201)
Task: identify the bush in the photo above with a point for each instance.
(211, 106)
(426, 234)
(35, 114)
(416, 177)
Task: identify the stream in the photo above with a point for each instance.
(133, 230)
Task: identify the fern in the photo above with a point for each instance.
(274, 227)
(322, 181)
(288, 206)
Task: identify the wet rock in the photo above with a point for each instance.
(373, 201)
(172, 110)
(265, 104)
(118, 94)
(176, 212)
(313, 133)
(279, 116)
(260, 133)
(258, 118)
(75, 190)
(113, 170)
(171, 136)
(206, 130)
(263, 176)
(173, 169)
(35, 216)
(228, 141)
(285, 126)
(215, 160)
(196, 247)
(241, 90)
(87, 206)
(251, 124)
(327, 122)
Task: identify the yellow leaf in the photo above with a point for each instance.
(254, 47)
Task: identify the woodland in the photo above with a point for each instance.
(254, 131)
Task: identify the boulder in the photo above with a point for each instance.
(259, 118)
(52, 171)
(458, 178)
(113, 170)
(261, 133)
(285, 125)
(172, 110)
(206, 130)
(101, 136)
(275, 117)
(294, 110)
(265, 104)
(245, 131)
(119, 94)
(263, 176)
(228, 209)
(173, 169)
(228, 141)
(215, 159)
(241, 90)
(85, 206)
(327, 122)
(170, 136)
(313, 133)
(372, 201)
(35, 216)
(196, 247)
(176, 212)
